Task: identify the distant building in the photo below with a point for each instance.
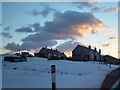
(111, 60)
(23, 54)
(50, 54)
(62, 56)
(18, 54)
(14, 58)
(83, 53)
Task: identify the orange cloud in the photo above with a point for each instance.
(114, 38)
(104, 44)
(110, 31)
(111, 9)
(14, 42)
(68, 53)
(87, 28)
(82, 29)
(94, 31)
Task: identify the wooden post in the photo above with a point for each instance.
(110, 65)
(53, 76)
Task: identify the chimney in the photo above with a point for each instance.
(99, 51)
(89, 47)
(95, 49)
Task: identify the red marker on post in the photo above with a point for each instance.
(53, 76)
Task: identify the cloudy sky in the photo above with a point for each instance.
(28, 26)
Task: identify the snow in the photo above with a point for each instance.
(0, 72)
(35, 73)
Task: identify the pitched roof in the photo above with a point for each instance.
(46, 50)
(80, 49)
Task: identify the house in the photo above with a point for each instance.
(23, 54)
(14, 58)
(111, 60)
(18, 54)
(62, 56)
(50, 54)
(83, 53)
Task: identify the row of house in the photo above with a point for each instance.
(80, 53)
(83, 53)
(50, 54)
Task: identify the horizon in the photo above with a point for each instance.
(54, 49)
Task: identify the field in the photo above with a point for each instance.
(36, 73)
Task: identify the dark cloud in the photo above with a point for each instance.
(104, 44)
(7, 28)
(111, 9)
(44, 12)
(114, 38)
(64, 26)
(68, 25)
(104, 9)
(88, 4)
(41, 36)
(28, 45)
(72, 23)
(36, 27)
(30, 28)
(97, 9)
(12, 46)
(6, 34)
(67, 46)
(24, 29)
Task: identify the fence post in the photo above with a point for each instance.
(53, 76)
(110, 65)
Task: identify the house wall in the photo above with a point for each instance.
(78, 57)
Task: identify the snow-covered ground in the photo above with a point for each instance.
(0, 72)
(69, 74)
